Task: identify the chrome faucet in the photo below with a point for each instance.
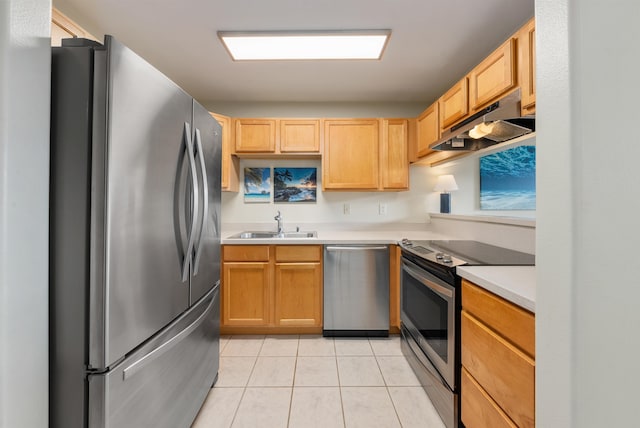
(278, 218)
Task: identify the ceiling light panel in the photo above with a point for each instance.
(289, 45)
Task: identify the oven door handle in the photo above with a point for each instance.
(420, 277)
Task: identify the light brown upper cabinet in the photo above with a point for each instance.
(527, 67)
(255, 135)
(230, 163)
(394, 157)
(428, 130)
(351, 156)
(494, 76)
(454, 104)
(63, 28)
(277, 136)
(297, 136)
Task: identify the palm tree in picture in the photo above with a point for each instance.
(252, 176)
(280, 178)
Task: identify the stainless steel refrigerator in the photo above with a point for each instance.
(134, 242)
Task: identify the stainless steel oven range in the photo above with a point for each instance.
(430, 305)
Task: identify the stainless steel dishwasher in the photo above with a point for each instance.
(356, 290)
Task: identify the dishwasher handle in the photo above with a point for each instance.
(355, 248)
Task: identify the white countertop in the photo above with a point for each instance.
(516, 284)
(336, 235)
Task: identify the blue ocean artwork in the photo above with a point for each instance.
(508, 179)
(294, 185)
(257, 185)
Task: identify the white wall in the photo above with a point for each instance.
(466, 200)
(24, 211)
(588, 273)
(408, 207)
(404, 207)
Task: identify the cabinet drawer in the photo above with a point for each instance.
(298, 253)
(506, 373)
(478, 409)
(514, 323)
(246, 253)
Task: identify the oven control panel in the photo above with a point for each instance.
(426, 251)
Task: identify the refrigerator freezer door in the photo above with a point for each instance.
(206, 264)
(139, 285)
(163, 384)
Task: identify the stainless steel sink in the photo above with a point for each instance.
(274, 235)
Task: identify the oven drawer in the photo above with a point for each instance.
(478, 408)
(505, 372)
(514, 323)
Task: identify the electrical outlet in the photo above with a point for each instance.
(346, 209)
(382, 209)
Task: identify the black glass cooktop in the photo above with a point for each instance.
(471, 253)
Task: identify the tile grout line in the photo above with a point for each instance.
(344, 418)
(244, 389)
(386, 387)
(293, 381)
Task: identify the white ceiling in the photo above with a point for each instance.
(433, 44)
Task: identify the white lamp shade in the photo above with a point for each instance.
(446, 183)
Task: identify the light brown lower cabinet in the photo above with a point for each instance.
(298, 286)
(479, 409)
(498, 374)
(246, 286)
(271, 289)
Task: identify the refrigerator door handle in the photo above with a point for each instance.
(148, 358)
(205, 202)
(194, 203)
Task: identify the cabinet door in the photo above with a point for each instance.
(527, 67)
(454, 104)
(493, 77)
(428, 130)
(298, 295)
(351, 154)
(246, 291)
(230, 163)
(301, 136)
(505, 373)
(255, 135)
(395, 156)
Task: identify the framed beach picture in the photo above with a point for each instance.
(257, 185)
(508, 179)
(294, 185)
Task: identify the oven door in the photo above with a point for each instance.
(428, 312)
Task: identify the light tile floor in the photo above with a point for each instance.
(312, 381)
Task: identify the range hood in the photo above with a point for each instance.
(497, 123)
